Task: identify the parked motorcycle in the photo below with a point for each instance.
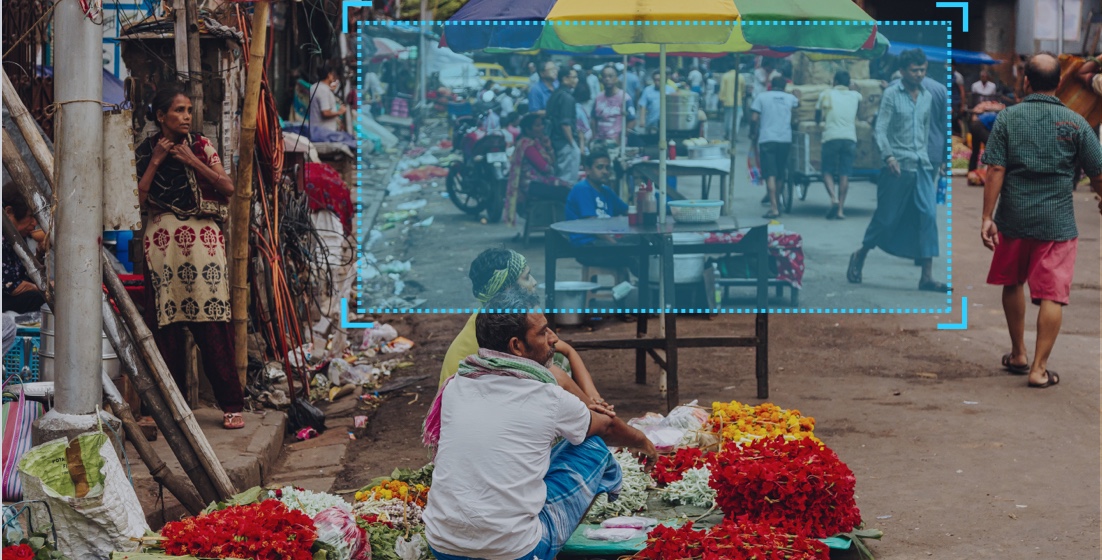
(479, 181)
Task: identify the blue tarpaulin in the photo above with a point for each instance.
(941, 54)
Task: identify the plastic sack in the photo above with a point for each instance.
(613, 535)
(19, 414)
(338, 369)
(629, 523)
(411, 549)
(337, 528)
(379, 334)
(87, 491)
(302, 414)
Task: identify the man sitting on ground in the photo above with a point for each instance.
(499, 270)
(502, 488)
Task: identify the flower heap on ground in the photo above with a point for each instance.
(633, 491)
(396, 490)
(308, 502)
(795, 485)
(732, 539)
(739, 422)
(390, 510)
(263, 531)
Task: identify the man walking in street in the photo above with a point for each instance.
(771, 128)
(905, 221)
(1032, 155)
(838, 109)
(731, 98)
(562, 117)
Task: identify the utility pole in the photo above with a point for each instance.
(78, 84)
(422, 59)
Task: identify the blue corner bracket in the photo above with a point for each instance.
(961, 326)
(344, 318)
(367, 4)
(963, 6)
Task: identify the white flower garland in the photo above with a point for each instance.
(692, 489)
(309, 502)
(633, 494)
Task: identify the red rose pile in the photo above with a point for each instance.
(732, 539)
(798, 486)
(669, 468)
(18, 551)
(264, 531)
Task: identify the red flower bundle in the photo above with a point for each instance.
(669, 468)
(264, 531)
(19, 551)
(731, 540)
(796, 486)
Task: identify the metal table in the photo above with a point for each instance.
(656, 240)
(681, 167)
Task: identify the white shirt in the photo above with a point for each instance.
(775, 108)
(495, 448)
(323, 99)
(958, 78)
(695, 78)
(986, 90)
(839, 107)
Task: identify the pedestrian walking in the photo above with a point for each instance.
(1032, 155)
(837, 108)
(771, 128)
(905, 221)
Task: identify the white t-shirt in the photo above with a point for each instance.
(839, 107)
(695, 78)
(775, 108)
(495, 448)
(323, 99)
(987, 90)
(958, 78)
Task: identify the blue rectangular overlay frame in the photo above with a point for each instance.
(445, 249)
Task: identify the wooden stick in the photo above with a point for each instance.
(123, 346)
(140, 333)
(25, 122)
(243, 193)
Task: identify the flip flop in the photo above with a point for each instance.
(771, 216)
(832, 214)
(233, 421)
(1052, 378)
(853, 273)
(1014, 369)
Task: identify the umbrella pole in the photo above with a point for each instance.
(662, 185)
(625, 189)
(729, 207)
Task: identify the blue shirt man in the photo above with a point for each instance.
(540, 93)
(592, 198)
(650, 102)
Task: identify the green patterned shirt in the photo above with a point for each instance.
(1041, 143)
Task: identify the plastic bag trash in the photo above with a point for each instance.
(300, 357)
(613, 535)
(86, 490)
(338, 369)
(412, 205)
(305, 415)
(395, 267)
(629, 523)
(664, 439)
(337, 528)
(411, 549)
(379, 334)
(399, 286)
(425, 223)
(274, 371)
(372, 238)
(400, 344)
(357, 375)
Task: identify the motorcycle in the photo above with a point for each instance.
(479, 181)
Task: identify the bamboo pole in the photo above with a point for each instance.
(142, 337)
(123, 346)
(194, 62)
(243, 193)
(23, 119)
(157, 468)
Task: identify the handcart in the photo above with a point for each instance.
(801, 173)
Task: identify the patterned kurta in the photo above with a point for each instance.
(186, 264)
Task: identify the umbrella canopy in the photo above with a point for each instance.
(387, 48)
(941, 54)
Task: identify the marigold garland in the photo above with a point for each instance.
(732, 539)
(396, 490)
(739, 422)
(794, 485)
(268, 530)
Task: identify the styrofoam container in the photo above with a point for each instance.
(686, 268)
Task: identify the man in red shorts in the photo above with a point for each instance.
(1033, 153)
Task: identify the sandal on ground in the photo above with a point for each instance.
(832, 214)
(853, 273)
(934, 287)
(771, 216)
(233, 421)
(1051, 378)
(1012, 368)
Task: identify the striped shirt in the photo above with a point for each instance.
(1041, 143)
(902, 127)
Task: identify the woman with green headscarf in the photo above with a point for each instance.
(492, 272)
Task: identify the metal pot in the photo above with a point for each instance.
(571, 296)
(111, 364)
